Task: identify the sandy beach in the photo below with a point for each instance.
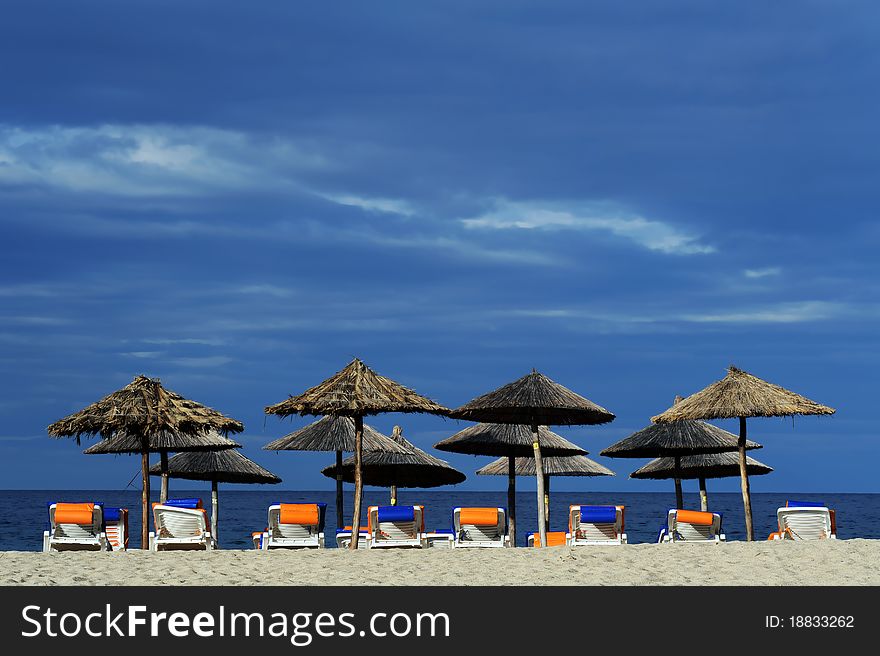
(838, 562)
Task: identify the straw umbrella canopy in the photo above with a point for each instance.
(411, 467)
(356, 391)
(146, 410)
(333, 434)
(703, 466)
(534, 400)
(228, 466)
(742, 395)
(553, 466)
(510, 441)
(675, 440)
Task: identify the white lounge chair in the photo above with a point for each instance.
(295, 526)
(181, 524)
(116, 528)
(692, 526)
(343, 538)
(396, 526)
(480, 527)
(599, 525)
(554, 539)
(75, 527)
(800, 520)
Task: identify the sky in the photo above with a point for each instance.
(628, 197)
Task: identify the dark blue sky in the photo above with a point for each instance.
(628, 197)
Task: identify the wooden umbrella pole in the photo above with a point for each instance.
(511, 498)
(215, 507)
(163, 464)
(679, 497)
(358, 481)
(145, 500)
(547, 502)
(744, 478)
(340, 519)
(539, 477)
(704, 496)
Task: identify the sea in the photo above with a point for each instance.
(24, 517)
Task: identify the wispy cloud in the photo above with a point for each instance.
(806, 311)
(369, 204)
(762, 273)
(534, 215)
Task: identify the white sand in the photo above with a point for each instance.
(832, 562)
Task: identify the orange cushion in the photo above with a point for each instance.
(554, 539)
(479, 516)
(74, 513)
(300, 513)
(695, 517)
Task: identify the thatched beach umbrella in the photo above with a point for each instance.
(510, 441)
(148, 414)
(333, 434)
(741, 395)
(355, 392)
(534, 400)
(228, 466)
(675, 440)
(411, 467)
(553, 466)
(701, 467)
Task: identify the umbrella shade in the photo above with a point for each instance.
(680, 438)
(163, 441)
(228, 466)
(712, 465)
(143, 407)
(553, 466)
(507, 440)
(356, 391)
(740, 394)
(333, 434)
(412, 468)
(534, 398)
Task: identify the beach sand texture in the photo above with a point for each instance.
(830, 562)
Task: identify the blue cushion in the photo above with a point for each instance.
(363, 531)
(598, 514)
(183, 503)
(445, 531)
(112, 514)
(396, 513)
(804, 504)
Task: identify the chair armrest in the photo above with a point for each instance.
(623, 538)
(722, 537)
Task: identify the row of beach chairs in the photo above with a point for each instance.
(183, 524)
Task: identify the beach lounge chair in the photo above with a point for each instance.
(441, 538)
(75, 527)
(805, 520)
(692, 526)
(396, 526)
(181, 524)
(554, 539)
(343, 537)
(596, 525)
(295, 526)
(116, 528)
(480, 527)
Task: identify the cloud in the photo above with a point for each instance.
(385, 205)
(186, 341)
(762, 273)
(801, 312)
(534, 215)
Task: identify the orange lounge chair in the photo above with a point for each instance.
(75, 527)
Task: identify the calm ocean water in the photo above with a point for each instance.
(23, 513)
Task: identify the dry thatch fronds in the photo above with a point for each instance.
(356, 390)
(714, 465)
(533, 398)
(143, 407)
(164, 441)
(507, 440)
(676, 438)
(740, 394)
(412, 468)
(228, 466)
(553, 466)
(333, 434)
